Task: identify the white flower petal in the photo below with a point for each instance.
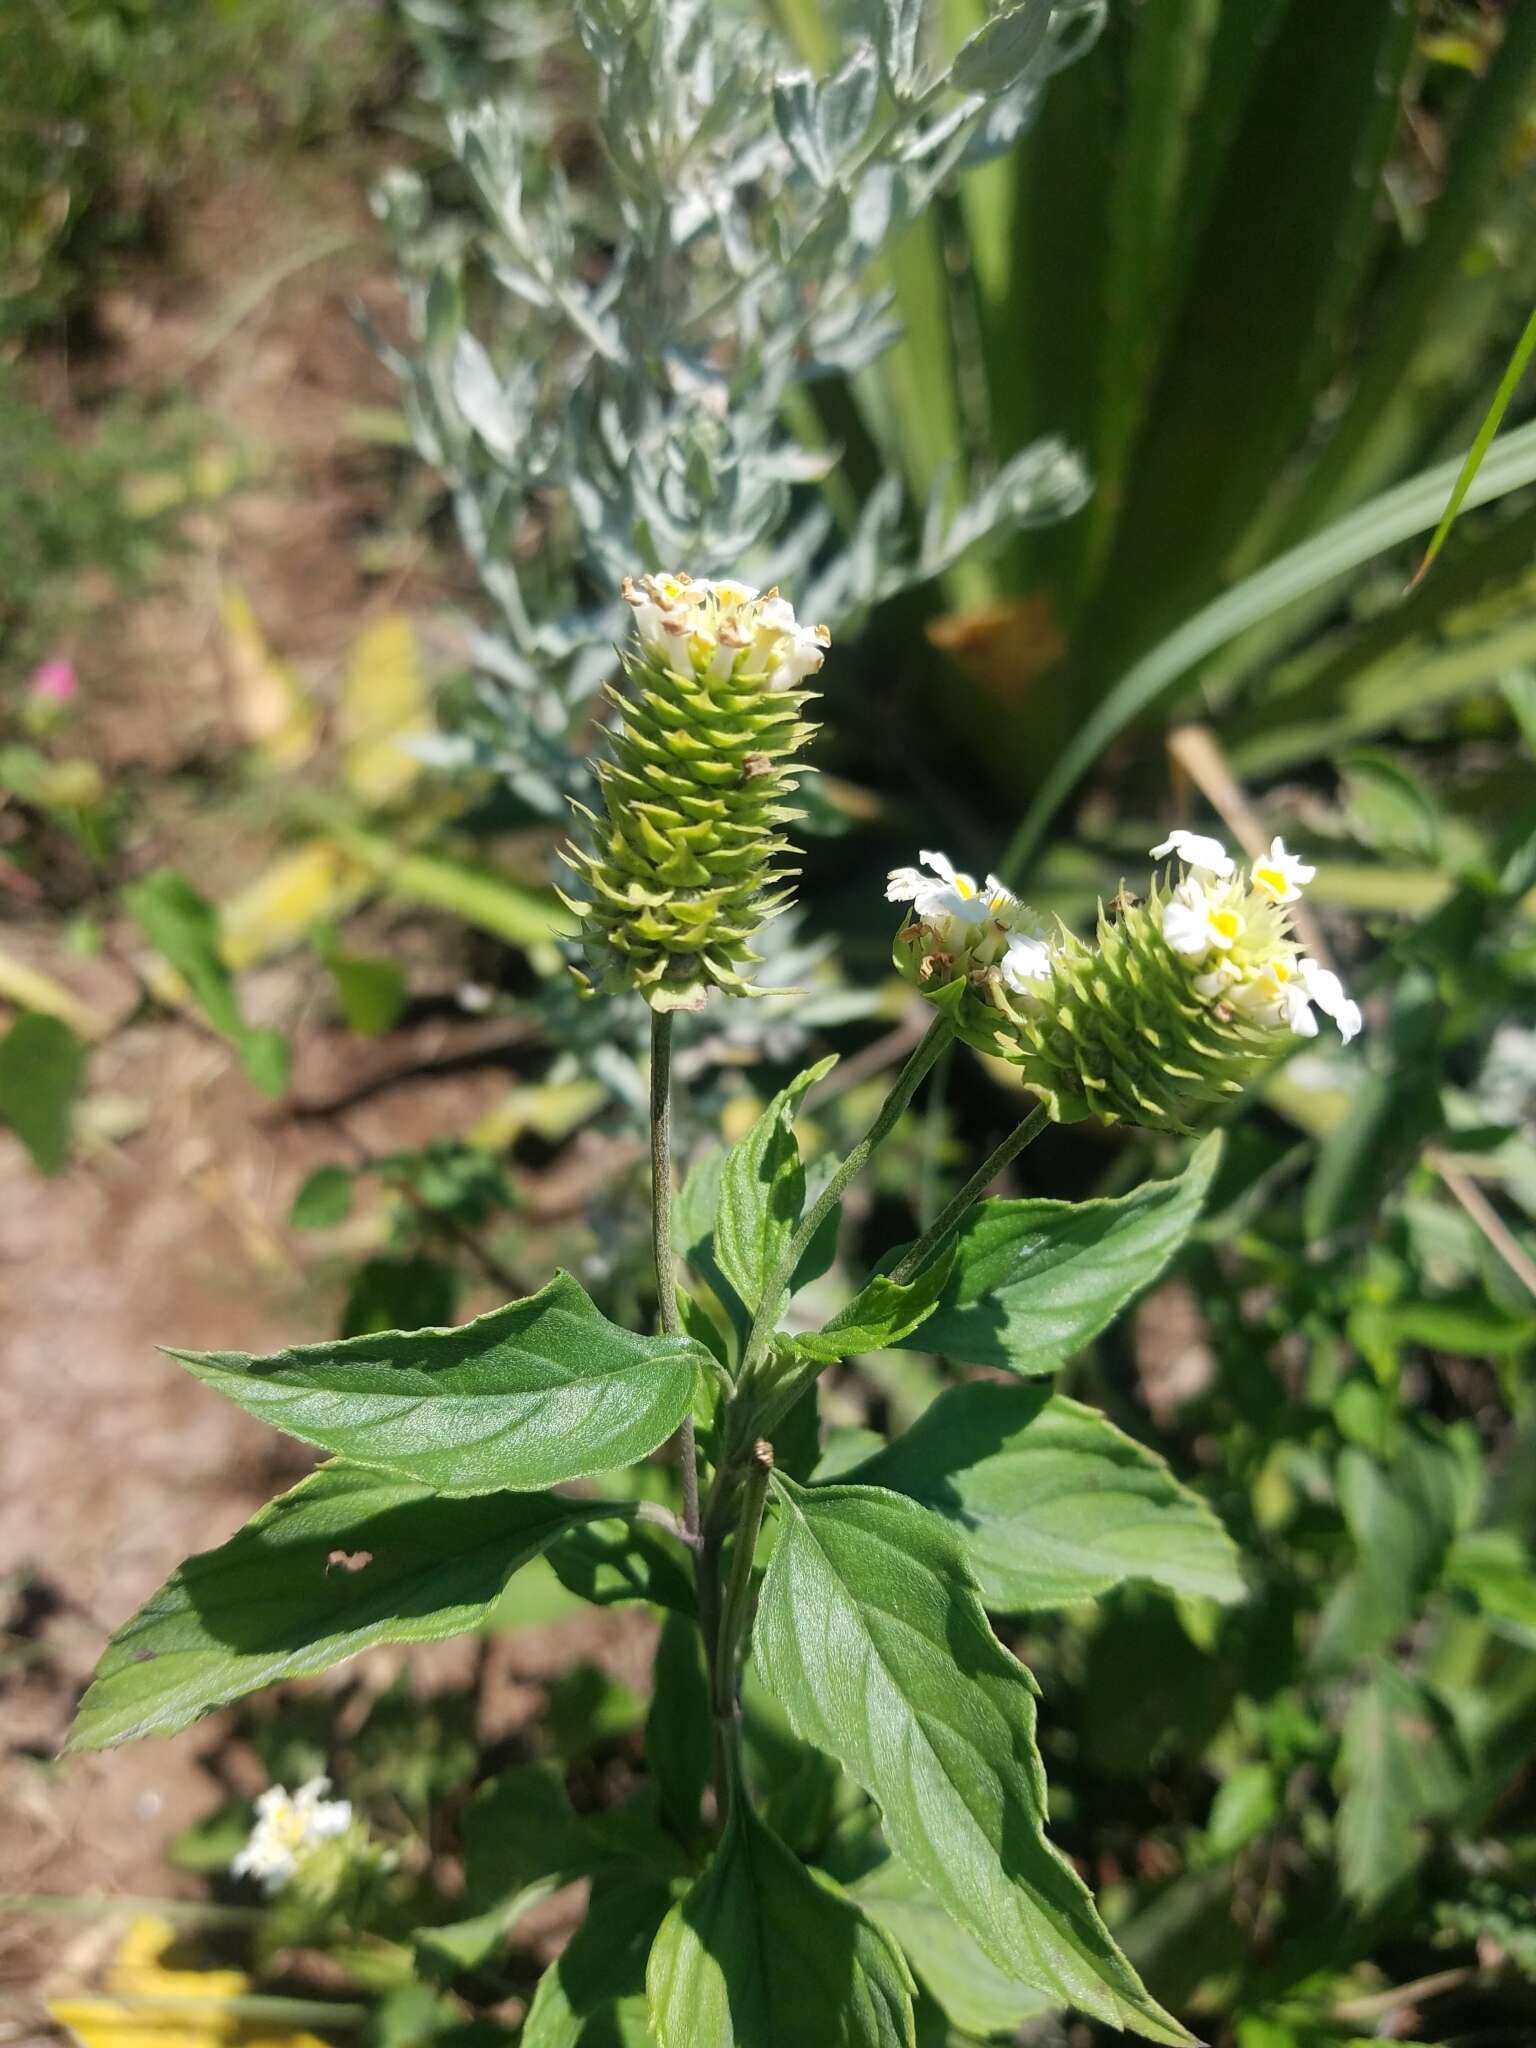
(1209, 856)
(1026, 964)
(940, 863)
(1296, 1011)
(1325, 989)
(905, 885)
(1187, 928)
(1281, 876)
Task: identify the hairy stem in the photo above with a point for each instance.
(661, 1245)
(934, 1040)
(954, 1213)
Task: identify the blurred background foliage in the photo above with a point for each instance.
(1109, 446)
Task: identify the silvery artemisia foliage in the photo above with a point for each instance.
(605, 364)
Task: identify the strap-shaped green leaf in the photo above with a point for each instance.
(761, 1954)
(348, 1559)
(762, 1192)
(1051, 1501)
(543, 1390)
(871, 1633)
(1033, 1282)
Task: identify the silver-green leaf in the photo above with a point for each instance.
(347, 1559)
(872, 1635)
(1033, 1282)
(541, 1391)
(1052, 1502)
(761, 1954)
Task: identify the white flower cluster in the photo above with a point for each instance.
(287, 1826)
(1233, 931)
(724, 631)
(973, 928)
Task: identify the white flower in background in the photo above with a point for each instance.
(724, 631)
(1232, 929)
(1201, 855)
(959, 927)
(287, 1826)
(1282, 876)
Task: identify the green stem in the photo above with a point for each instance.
(99, 1905)
(726, 1620)
(738, 1591)
(937, 1036)
(661, 1245)
(953, 1213)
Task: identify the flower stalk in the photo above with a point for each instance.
(661, 1247)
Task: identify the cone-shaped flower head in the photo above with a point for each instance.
(686, 864)
(1180, 1001)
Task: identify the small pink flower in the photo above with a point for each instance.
(55, 682)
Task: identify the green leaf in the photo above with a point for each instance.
(602, 1965)
(1422, 323)
(1516, 368)
(1387, 520)
(1399, 1766)
(324, 1200)
(372, 993)
(761, 1954)
(1493, 1568)
(883, 1312)
(267, 1059)
(610, 1563)
(679, 1731)
(1257, 333)
(543, 1390)
(399, 1294)
(41, 1066)
(976, 1995)
(455, 1947)
(184, 926)
(1052, 1502)
(797, 1785)
(1035, 1281)
(346, 1560)
(872, 1635)
(1246, 1803)
(762, 1192)
(1403, 1518)
(693, 1230)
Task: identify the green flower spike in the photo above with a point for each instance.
(685, 865)
(1180, 1002)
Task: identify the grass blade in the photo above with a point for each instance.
(1518, 363)
(1386, 522)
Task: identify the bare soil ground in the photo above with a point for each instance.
(112, 1465)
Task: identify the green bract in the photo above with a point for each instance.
(685, 864)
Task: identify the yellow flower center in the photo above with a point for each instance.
(1225, 926)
